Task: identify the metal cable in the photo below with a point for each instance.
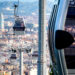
(18, 8)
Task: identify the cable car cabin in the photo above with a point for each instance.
(13, 50)
(28, 50)
(13, 56)
(19, 27)
(59, 38)
(70, 51)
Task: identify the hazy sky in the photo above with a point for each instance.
(27, 0)
(20, 0)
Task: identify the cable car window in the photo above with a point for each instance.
(70, 27)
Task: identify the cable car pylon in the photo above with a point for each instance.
(42, 38)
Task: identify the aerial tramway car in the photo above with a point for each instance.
(63, 60)
(69, 52)
(19, 27)
(13, 55)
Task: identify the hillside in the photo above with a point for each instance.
(25, 8)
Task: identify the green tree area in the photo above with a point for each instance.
(51, 70)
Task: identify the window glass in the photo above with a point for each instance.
(70, 27)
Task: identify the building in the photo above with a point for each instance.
(1, 22)
(5, 72)
(33, 71)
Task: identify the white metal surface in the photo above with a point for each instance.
(60, 22)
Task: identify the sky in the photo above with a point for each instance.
(20, 0)
(27, 0)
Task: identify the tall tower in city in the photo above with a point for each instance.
(1, 22)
